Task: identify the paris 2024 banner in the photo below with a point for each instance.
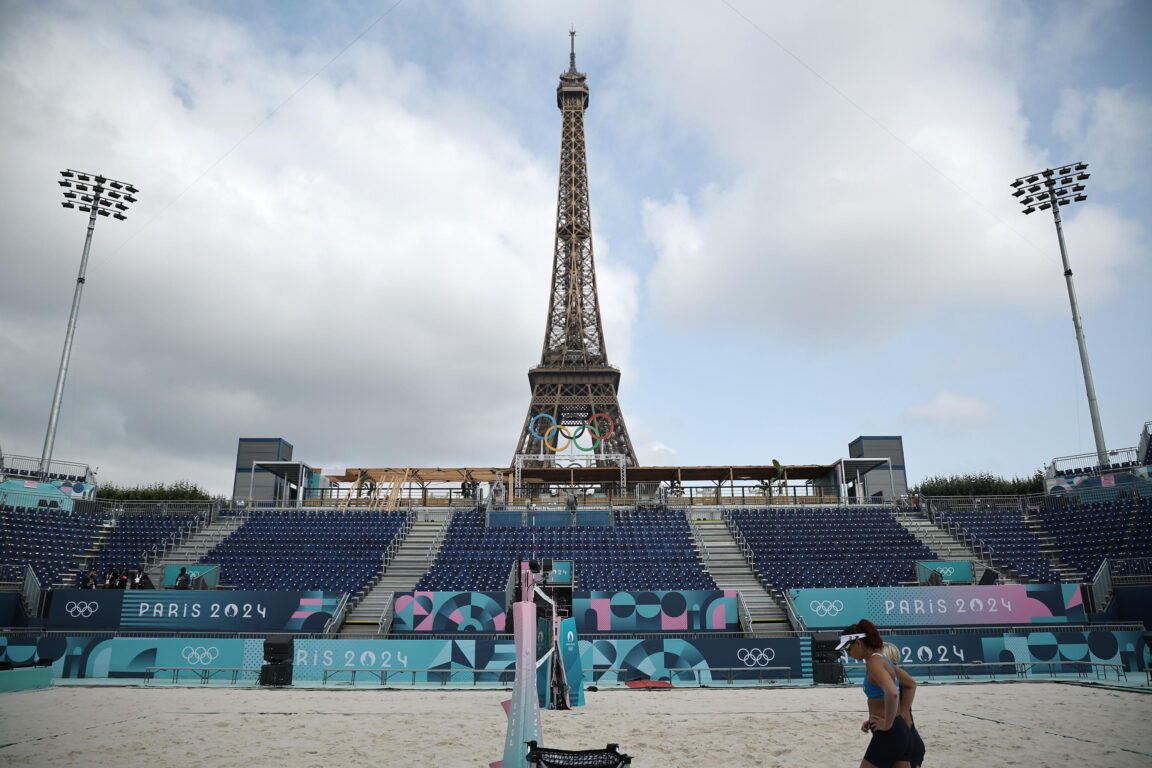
(940, 606)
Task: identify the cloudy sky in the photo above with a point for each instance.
(802, 220)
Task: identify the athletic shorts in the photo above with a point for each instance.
(890, 746)
(917, 758)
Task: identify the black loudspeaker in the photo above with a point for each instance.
(824, 646)
(276, 674)
(828, 673)
(989, 577)
(278, 649)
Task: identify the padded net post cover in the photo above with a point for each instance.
(543, 757)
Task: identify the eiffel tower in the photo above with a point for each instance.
(574, 384)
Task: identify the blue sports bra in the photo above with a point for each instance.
(873, 691)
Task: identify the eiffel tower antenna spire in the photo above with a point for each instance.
(574, 383)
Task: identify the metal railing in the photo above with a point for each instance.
(1099, 591)
(731, 675)
(204, 674)
(32, 594)
(967, 670)
(743, 612)
(29, 466)
(337, 618)
(793, 617)
(1132, 570)
(1089, 463)
(385, 622)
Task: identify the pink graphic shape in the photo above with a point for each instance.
(602, 606)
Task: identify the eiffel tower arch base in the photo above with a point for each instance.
(558, 390)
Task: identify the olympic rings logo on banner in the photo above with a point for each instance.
(826, 607)
(81, 609)
(572, 435)
(198, 654)
(946, 571)
(756, 657)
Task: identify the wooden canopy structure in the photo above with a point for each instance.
(583, 475)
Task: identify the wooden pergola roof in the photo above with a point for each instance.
(576, 475)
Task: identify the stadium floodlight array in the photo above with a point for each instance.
(1052, 189)
(94, 195)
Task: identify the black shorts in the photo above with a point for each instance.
(890, 746)
(917, 757)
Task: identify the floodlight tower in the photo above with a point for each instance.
(1052, 189)
(95, 195)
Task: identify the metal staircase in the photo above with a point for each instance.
(1048, 548)
(723, 558)
(195, 546)
(413, 558)
(946, 546)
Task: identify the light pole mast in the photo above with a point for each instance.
(1054, 188)
(92, 194)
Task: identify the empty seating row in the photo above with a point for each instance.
(828, 546)
(307, 549)
(642, 550)
(1005, 533)
(1087, 534)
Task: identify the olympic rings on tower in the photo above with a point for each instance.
(572, 435)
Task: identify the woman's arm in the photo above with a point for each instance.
(907, 693)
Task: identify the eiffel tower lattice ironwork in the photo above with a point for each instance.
(574, 381)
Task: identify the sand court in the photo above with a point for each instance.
(1023, 724)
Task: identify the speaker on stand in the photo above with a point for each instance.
(826, 666)
(989, 577)
(278, 657)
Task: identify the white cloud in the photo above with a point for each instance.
(657, 454)
(1109, 128)
(949, 408)
(824, 221)
(369, 268)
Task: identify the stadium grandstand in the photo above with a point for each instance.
(775, 556)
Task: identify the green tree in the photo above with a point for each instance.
(181, 490)
(979, 484)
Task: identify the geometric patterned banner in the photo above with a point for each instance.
(464, 663)
(444, 612)
(665, 611)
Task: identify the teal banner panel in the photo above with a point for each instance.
(446, 612)
(456, 662)
(171, 610)
(211, 573)
(570, 659)
(951, 571)
(543, 671)
(940, 606)
(701, 661)
(470, 662)
(561, 572)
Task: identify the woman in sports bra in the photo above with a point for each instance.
(907, 693)
(891, 744)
